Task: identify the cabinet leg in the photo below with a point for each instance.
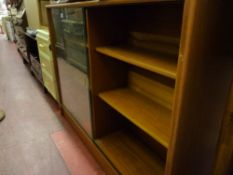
(32, 73)
(24, 61)
(45, 90)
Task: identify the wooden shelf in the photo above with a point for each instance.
(151, 117)
(141, 58)
(129, 155)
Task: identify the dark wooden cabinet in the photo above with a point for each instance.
(33, 56)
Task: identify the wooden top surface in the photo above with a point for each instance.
(97, 3)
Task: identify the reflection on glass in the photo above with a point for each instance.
(74, 36)
(58, 14)
(75, 93)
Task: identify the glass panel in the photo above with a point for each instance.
(70, 29)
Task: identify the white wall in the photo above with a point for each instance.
(32, 10)
(2, 5)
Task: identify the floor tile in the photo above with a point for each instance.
(75, 154)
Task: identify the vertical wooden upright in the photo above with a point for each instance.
(205, 72)
(224, 156)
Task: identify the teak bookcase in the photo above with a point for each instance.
(159, 82)
(133, 66)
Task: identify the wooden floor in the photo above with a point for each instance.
(26, 146)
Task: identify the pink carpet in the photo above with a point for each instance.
(78, 160)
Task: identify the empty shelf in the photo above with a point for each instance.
(148, 60)
(129, 155)
(146, 114)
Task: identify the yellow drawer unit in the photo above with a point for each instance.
(47, 64)
(49, 83)
(43, 46)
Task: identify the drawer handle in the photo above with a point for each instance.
(41, 45)
(43, 65)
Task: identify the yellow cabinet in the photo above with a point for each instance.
(47, 64)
